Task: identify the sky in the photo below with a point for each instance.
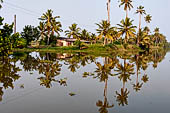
(85, 13)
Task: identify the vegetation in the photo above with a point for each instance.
(30, 33)
(5, 38)
(122, 37)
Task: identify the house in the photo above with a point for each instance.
(62, 41)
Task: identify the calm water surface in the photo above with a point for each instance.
(83, 83)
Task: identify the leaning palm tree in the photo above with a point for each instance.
(104, 30)
(1, 1)
(73, 32)
(140, 10)
(127, 5)
(126, 27)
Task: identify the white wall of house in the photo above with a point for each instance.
(64, 43)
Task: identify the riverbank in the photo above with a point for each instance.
(97, 48)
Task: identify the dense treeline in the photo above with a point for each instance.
(125, 33)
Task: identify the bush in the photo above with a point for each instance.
(117, 42)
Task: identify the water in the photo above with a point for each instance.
(83, 83)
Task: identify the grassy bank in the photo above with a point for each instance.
(97, 48)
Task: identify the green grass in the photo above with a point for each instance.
(95, 48)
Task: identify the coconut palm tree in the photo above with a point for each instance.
(148, 18)
(50, 24)
(1, 1)
(105, 30)
(140, 10)
(146, 30)
(42, 29)
(56, 27)
(103, 106)
(127, 5)
(73, 32)
(126, 27)
(85, 34)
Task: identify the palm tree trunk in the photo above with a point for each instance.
(105, 89)
(108, 10)
(126, 13)
(138, 40)
(48, 40)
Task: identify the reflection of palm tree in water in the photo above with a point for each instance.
(103, 72)
(124, 72)
(103, 106)
(50, 69)
(137, 86)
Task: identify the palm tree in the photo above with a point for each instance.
(126, 27)
(104, 30)
(104, 105)
(108, 10)
(115, 34)
(56, 27)
(146, 30)
(1, 1)
(127, 5)
(73, 31)
(140, 10)
(148, 18)
(42, 29)
(85, 34)
(50, 24)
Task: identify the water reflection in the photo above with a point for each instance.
(8, 74)
(127, 67)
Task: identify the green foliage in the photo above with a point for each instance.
(73, 32)
(30, 33)
(18, 41)
(104, 30)
(49, 26)
(79, 44)
(126, 28)
(5, 38)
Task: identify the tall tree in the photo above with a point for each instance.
(140, 10)
(126, 27)
(50, 24)
(73, 32)
(30, 33)
(127, 5)
(104, 30)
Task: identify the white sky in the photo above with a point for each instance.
(84, 12)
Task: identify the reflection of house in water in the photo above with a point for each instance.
(62, 41)
(64, 55)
